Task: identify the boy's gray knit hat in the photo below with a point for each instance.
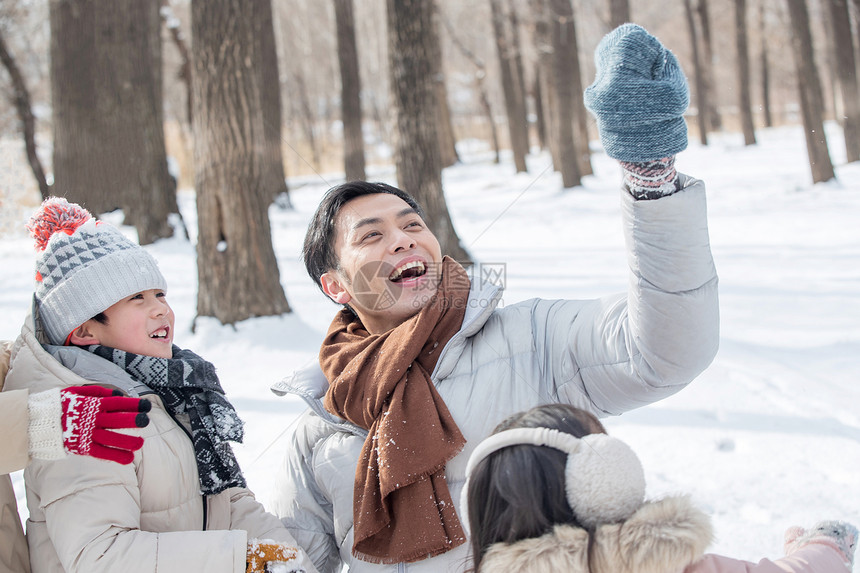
(638, 97)
(84, 268)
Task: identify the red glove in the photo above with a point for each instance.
(88, 412)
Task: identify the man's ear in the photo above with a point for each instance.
(332, 285)
(84, 335)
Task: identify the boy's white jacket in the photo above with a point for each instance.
(608, 356)
(89, 515)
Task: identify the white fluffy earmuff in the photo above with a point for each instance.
(604, 480)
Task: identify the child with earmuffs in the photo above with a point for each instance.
(551, 491)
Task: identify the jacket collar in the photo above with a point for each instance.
(483, 300)
(310, 384)
(96, 369)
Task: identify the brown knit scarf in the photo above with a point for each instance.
(402, 509)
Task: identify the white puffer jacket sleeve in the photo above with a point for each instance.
(626, 351)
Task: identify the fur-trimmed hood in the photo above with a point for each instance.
(663, 536)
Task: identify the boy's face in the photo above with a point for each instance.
(141, 323)
(389, 261)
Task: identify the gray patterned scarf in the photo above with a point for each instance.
(188, 385)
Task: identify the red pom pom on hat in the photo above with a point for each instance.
(56, 214)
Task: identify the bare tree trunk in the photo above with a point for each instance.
(275, 186)
(562, 67)
(579, 113)
(537, 95)
(829, 74)
(21, 101)
(714, 120)
(701, 87)
(619, 13)
(744, 100)
(856, 19)
(416, 150)
(827, 68)
(236, 265)
(551, 112)
(519, 73)
(172, 25)
(350, 91)
(137, 119)
(77, 157)
(447, 139)
(488, 113)
(480, 74)
(109, 147)
(553, 37)
(811, 101)
(307, 116)
(765, 70)
(846, 76)
(543, 48)
(509, 89)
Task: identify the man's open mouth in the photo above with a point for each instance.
(410, 270)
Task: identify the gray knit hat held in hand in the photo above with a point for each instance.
(638, 97)
(85, 267)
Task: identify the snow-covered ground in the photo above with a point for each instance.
(767, 437)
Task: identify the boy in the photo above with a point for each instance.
(100, 316)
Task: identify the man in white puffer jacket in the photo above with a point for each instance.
(421, 364)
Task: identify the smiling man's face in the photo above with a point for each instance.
(389, 261)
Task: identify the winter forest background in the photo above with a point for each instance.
(209, 130)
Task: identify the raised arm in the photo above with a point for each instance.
(628, 351)
(624, 351)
